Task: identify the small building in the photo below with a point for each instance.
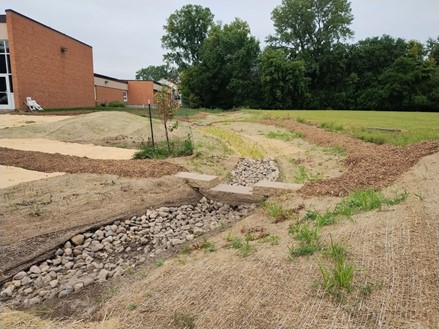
(108, 89)
(142, 91)
(42, 63)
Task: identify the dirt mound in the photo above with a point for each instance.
(45, 162)
(368, 165)
(88, 127)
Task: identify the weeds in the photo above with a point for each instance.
(285, 136)
(204, 245)
(270, 238)
(303, 176)
(183, 320)
(132, 306)
(161, 151)
(159, 262)
(277, 212)
(335, 150)
(307, 235)
(303, 250)
(332, 126)
(336, 251)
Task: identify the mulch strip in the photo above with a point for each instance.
(46, 162)
(368, 166)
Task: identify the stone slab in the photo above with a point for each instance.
(268, 188)
(198, 180)
(234, 195)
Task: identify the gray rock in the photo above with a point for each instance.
(8, 291)
(103, 275)
(20, 275)
(38, 283)
(78, 239)
(94, 247)
(35, 269)
(67, 251)
(35, 300)
(87, 280)
(53, 283)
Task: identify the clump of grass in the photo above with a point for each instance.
(183, 320)
(159, 262)
(161, 151)
(246, 248)
(132, 306)
(307, 234)
(365, 200)
(301, 120)
(204, 245)
(335, 150)
(186, 250)
(303, 250)
(303, 176)
(276, 212)
(285, 136)
(270, 238)
(332, 126)
(337, 251)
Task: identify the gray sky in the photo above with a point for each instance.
(125, 35)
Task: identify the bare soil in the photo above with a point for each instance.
(395, 250)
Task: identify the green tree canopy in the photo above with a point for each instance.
(186, 30)
(227, 73)
(157, 72)
(309, 27)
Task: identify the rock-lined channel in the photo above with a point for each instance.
(248, 172)
(95, 256)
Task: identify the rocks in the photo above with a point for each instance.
(19, 275)
(35, 269)
(78, 239)
(248, 172)
(97, 256)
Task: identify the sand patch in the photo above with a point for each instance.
(10, 120)
(81, 150)
(10, 176)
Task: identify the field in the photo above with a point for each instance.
(355, 247)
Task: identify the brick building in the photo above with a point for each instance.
(56, 70)
(39, 62)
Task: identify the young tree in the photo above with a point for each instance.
(167, 107)
(186, 30)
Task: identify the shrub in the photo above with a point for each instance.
(161, 150)
(116, 104)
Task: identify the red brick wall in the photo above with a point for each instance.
(107, 95)
(140, 91)
(42, 71)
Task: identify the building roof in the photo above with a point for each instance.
(97, 75)
(48, 27)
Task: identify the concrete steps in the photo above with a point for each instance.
(209, 186)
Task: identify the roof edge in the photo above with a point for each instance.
(48, 27)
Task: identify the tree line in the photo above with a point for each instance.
(306, 64)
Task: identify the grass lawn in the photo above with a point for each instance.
(414, 126)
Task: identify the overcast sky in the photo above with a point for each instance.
(125, 35)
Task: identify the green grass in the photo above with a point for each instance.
(285, 136)
(161, 151)
(244, 147)
(415, 126)
(307, 234)
(303, 250)
(276, 212)
(303, 176)
(335, 150)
